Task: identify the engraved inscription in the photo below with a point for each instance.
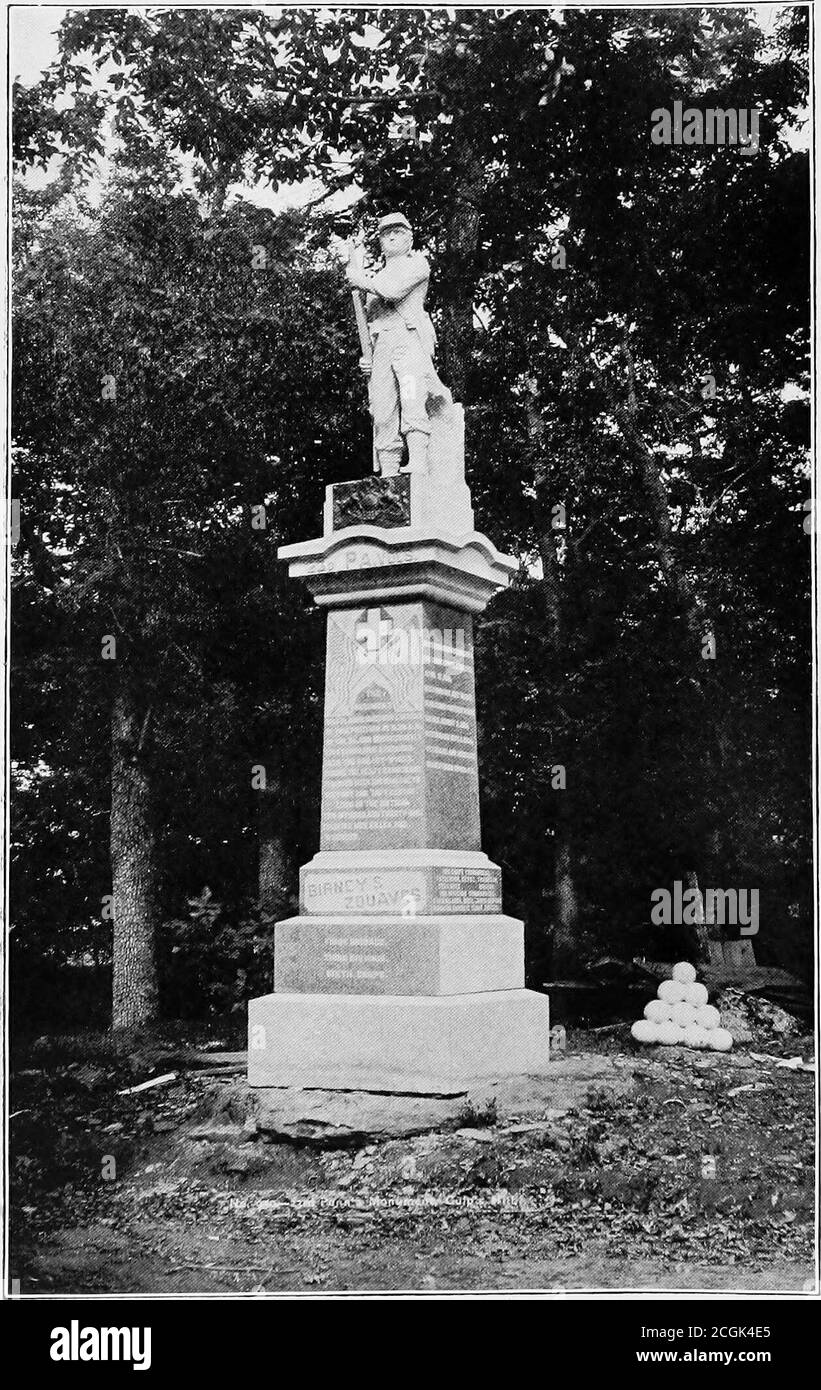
(400, 893)
(451, 765)
(355, 957)
(467, 890)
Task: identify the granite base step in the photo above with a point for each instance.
(392, 955)
(409, 1044)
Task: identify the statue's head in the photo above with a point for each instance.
(395, 235)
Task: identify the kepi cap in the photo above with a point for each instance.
(394, 219)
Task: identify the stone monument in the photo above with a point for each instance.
(401, 972)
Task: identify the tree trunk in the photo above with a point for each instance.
(565, 901)
(275, 867)
(134, 867)
(566, 907)
(655, 490)
(700, 932)
(710, 741)
(459, 269)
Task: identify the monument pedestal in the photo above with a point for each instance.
(401, 972)
(397, 955)
(405, 1043)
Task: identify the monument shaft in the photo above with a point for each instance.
(399, 760)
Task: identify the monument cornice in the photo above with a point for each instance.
(397, 540)
(363, 562)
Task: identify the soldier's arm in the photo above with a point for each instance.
(399, 277)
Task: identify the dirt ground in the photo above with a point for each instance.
(626, 1169)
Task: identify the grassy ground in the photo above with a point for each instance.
(674, 1170)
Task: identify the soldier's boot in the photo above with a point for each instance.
(389, 461)
(417, 442)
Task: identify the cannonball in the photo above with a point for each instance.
(683, 1014)
(695, 1036)
(696, 995)
(708, 1017)
(672, 992)
(644, 1031)
(668, 1034)
(684, 972)
(656, 1011)
(720, 1039)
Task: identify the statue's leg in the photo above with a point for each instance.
(384, 396)
(390, 462)
(412, 365)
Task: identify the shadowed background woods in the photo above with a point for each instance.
(627, 325)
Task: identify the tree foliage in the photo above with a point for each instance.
(167, 439)
(628, 326)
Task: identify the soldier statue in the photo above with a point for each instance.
(402, 377)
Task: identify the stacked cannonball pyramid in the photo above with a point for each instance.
(681, 1015)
